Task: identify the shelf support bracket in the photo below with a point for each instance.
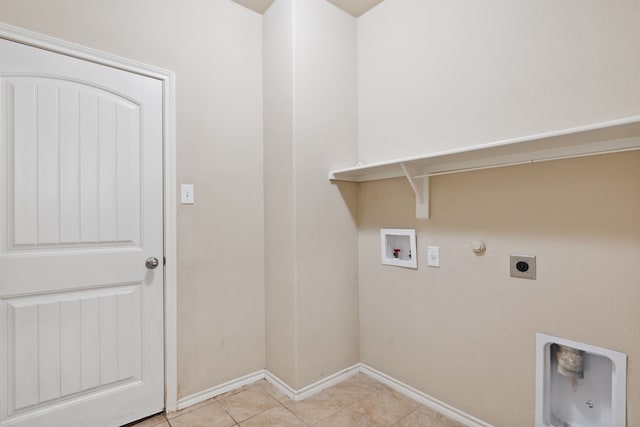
(420, 187)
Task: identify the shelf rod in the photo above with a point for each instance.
(477, 168)
(526, 162)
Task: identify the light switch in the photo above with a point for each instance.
(187, 195)
(433, 256)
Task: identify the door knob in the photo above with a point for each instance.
(151, 262)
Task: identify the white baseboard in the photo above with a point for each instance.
(280, 385)
(220, 389)
(329, 381)
(314, 388)
(423, 398)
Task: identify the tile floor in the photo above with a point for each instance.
(358, 401)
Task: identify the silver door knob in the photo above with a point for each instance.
(151, 262)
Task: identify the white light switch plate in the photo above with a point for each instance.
(187, 194)
(433, 256)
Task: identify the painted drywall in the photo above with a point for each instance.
(464, 333)
(215, 49)
(441, 75)
(279, 212)
(311, 233)
(325, 134)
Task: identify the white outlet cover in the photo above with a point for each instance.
(187, 194)
(433, 256)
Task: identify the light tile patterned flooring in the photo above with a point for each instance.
(358, 401)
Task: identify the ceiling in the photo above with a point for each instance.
(352, 7)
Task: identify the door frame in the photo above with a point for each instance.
(30, 38)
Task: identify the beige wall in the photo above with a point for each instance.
(436, 75)
(325, 132)
(442, 75)
(215, 49)
(429, 76)
(311, 239)
(279, 214)
(464, 333)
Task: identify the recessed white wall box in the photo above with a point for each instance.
(579, 384)
(398, 247)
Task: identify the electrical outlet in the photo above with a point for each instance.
(523, 266)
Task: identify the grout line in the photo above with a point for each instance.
(230, 416)
(370, 386)
(407, 416)
(291, 412)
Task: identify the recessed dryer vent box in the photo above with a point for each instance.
(579, 385)
(398, 247)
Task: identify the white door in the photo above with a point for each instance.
(81, 209)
